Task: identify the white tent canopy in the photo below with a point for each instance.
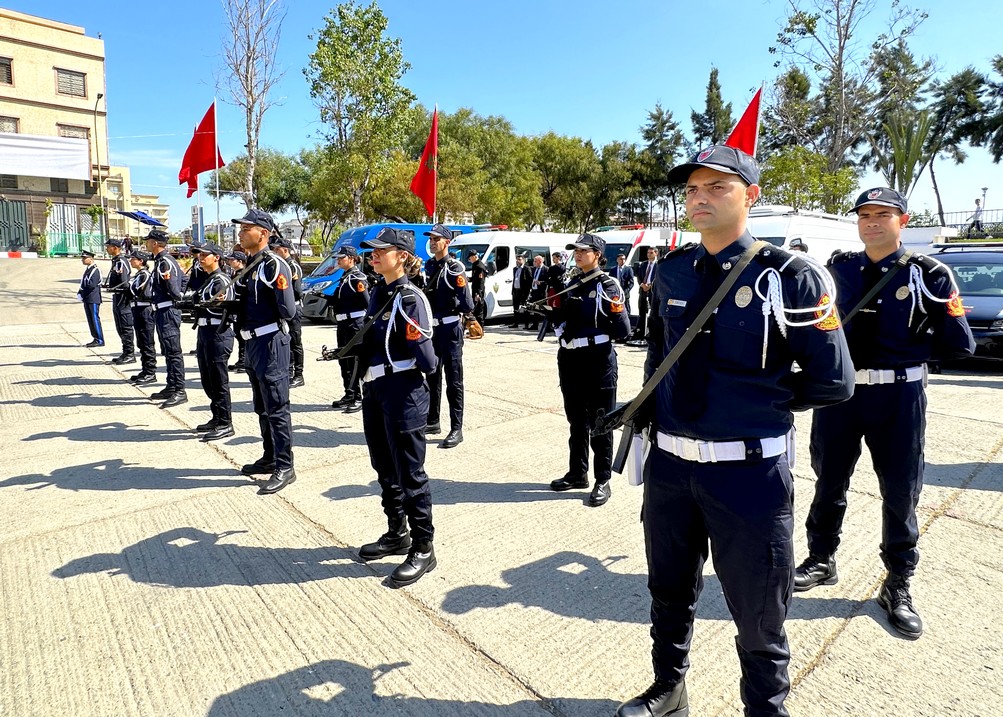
(35, 156)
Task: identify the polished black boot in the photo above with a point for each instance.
(600, 494)
(279, 480)
(659, 700)
(297, 381)
(897, 602)
(208, 426)
(453, 438)
(420, 560)
(262, 466)
(568, 482)
(220, 431)
(396, 541)
(815, 570)
(174, 399)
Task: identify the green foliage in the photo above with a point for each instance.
(924, 218)
(902, 151)
(279, 180)
(790, 119)
(990, 129)
(712, 126)
(664, 143)
(800, 178)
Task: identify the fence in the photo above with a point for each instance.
(69, 244)
(992, 222)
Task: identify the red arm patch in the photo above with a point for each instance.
(461, 281)
(411, 333)
(360, 287)
(831, 322)
(954, 307)
(281, 282)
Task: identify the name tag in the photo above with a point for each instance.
(675, 302)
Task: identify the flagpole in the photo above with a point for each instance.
(435, 214)
(215, 159)
(198, 197)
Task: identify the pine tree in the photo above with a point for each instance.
(713, 126)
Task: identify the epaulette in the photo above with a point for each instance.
(679, 251)
(928, 263)
(778, 258)
(840, 256)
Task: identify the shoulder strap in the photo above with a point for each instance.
(900, 262)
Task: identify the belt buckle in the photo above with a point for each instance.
(689, 450)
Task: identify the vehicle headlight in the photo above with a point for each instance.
(320, 286)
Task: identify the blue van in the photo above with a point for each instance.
(323, 280)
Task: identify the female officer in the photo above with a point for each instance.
(396, 354)
(591, 316)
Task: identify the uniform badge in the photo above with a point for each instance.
(954, 307)
(281, 282)
(874, 194)
(743, 297)
(592, 294)
(726, 265)
(411, 332)
(386, 316)
(617, 307)
(461, 281)
(902, 293)
(704, 155)
(831, 322)
(360, 287)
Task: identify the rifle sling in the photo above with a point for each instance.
(899, 263)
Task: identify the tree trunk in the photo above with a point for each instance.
(936, 192)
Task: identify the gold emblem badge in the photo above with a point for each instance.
(592, 294)
(743, 297)
(902, 293)
(830, 322)
(386, 316)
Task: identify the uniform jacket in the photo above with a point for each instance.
(218, 286)
(196, 277)
(266, 293)
(141, 286)
(746, 399)
(351, 294)
(478, 277)
(119, 277)
(403, 312)
(593, 306)
(90, 285)
(297, 273)
(168, 279)
(446, 288)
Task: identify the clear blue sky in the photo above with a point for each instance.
(587, 68)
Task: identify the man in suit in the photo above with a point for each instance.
(646, 276)
(521, 281)
(90, 295)
(624, 276)
(537, 286)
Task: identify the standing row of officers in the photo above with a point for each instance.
(748, 333)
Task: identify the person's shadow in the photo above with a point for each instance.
(114, 431)
(115, 474)
(339, 687)
(193, 558)
(455, 492)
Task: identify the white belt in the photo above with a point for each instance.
(353, 315)
(589, 341)
(209, 322)
(164, 304)
(260, 331)
(445, 320)
(876, 376)
(690, 449)
(142, 303)
(379, 371)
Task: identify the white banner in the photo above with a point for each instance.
(35, 156)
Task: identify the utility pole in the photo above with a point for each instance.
(97, 153)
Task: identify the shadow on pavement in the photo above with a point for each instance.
(958, 475)
(315, 437)
(74, 381)
(193, 558)
(454, 492)
(115, 474)
(339, 687)
(74, 400)
(115, 431)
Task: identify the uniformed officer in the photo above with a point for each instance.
(478, 281)
(283, 246)
(195, 278)
(266, 306)
(90, 295)
(450, 298)
(167, 289)
(397, 353)
(915, 317)
(349, 302)
(236, 260)
(143, 322)
(215, 341)
(720, 422)
(118, 281)
(592, 316)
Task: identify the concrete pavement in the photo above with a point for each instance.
(141, 575)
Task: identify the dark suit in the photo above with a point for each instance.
(625, 277)
(643, 270)
(524, 276)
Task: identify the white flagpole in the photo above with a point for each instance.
(215, 160)
(198, 195)
(435, 214)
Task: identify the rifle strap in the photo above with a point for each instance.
(365, 327)
(899, 264)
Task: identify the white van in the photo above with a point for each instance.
(822, 233)
(498, 249)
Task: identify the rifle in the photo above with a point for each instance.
(537, 307)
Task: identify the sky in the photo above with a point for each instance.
(585, 68)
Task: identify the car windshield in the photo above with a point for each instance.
(326, 267)
(460, 252)
(978, 277)
(611, 252)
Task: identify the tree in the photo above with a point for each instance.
(901, 150)
(990, 132)
(798, 177)
(249, 48)
(790, 114)
(354, 76)
(714, 124)
(663, 142)
(566, 167)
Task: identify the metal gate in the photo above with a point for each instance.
(63, 231)
(13, 225)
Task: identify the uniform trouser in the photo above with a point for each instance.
(745, 510)
(480, 308)
(642, 312)
(169, 331)
(240, 347)
(213, 350)
(93, 312)
(447, 339)
(588, 383)
(296, 343)
(267, 366)
(351, 371)
(891, 418)
(394, 410)
(143, 323)
(122, 312)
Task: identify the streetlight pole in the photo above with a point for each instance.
(97, 152)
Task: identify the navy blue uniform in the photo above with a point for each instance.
(395, 401)
(592, 315)
(624, 276)
(118, 279)
(915, 318)
(267, 304)
(449, 296)
(167, 288)
(349, 303)
(732, 391)
(215, 343)
(90, 295)
(141, 294)
(296, 322)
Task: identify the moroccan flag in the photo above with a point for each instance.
(202, 154)
(745, 135)
(424, 182)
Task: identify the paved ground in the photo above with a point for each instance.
(141, 575)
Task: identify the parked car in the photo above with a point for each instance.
(978, 269)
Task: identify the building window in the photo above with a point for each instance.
(8, 181)
(69, 82)
(6, 71)
(8, 125)
(66, 130)
(59, 184)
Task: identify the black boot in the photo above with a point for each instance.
(659, 700)
(396, 541)
(453, 438)
(296, 381)
(600, 494)
(568, 482)
(815, 570)
(897, 602)
(420, 560)
(279, 480)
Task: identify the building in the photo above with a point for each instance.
(52, 116)
(119, 197)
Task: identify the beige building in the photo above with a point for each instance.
(120, 197)
(52, 82)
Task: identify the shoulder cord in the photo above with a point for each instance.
(260, 274)
(160, 270)
(918, 289)
(221, 283)
(139, 274)
(601, 294)
(773, 301)
(395, 311)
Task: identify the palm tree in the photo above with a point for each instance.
(907, 154)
